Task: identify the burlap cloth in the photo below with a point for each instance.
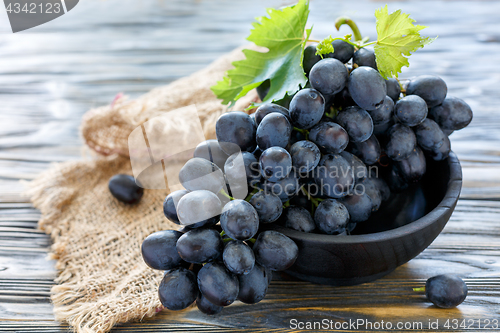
(102, 278)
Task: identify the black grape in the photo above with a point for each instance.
(393, 88)
(201, 174)
(178, 289)
(200, 245)
(238, 258)
(306, 108)
(381, 129)
(301, 200)
(217, 284)
(334, 176)
(275, 251)
(367, 87)
(350, 227)
(357, 122)
(211, 150)
(402, 142)
(235, 131)
(206, 307)
(310, 58)
(328, 76)
(305, 156)
(284, 188)
(170, 203)
(442, 152)
(430, 87)
(359, 169)
(239, 220)
(199, 208)
(446, 291)
(275, 163)
(410, 110)
(359, 206)
(343, 99)
(331, 217)
(184, 229)
(370, 188)
(268, 206)
(330, 137)
(268, 108)
(413, 168)
(364, 57)
(236, 163)
(310, 186)
(273, 131)
(124, 188)
(447, 132)
(368, 151)
(252, 116)
(342, 51)
(453, 114)
(253, 286)
(298, 218)
(385, 191)
(429, 135)
(395, 181)
(263, 89)
(159, 252)
(383, 114)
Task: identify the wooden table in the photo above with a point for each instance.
(52, 74)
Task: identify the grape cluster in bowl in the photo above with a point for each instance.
(320, 161)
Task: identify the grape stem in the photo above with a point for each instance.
(226, 195)
(225, 240)
(354, 27)
(333, 112)
(249, 196)
(315, 201)
(359, 41)
(421, 289)
(359, 45)
(303, 131)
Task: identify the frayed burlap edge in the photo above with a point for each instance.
(102, 279)
(96, 242)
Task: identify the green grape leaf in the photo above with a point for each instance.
(282, 33)
(397, 37)
(325, 46)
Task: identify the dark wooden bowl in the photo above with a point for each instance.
(411, 221)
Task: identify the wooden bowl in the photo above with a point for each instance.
(393, 236)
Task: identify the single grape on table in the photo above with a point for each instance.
(446, 290)
(125, 189)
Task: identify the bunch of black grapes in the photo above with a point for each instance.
(309, 162)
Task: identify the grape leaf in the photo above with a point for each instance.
(282, 33)
(397, 37)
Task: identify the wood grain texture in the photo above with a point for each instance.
(50, 76)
